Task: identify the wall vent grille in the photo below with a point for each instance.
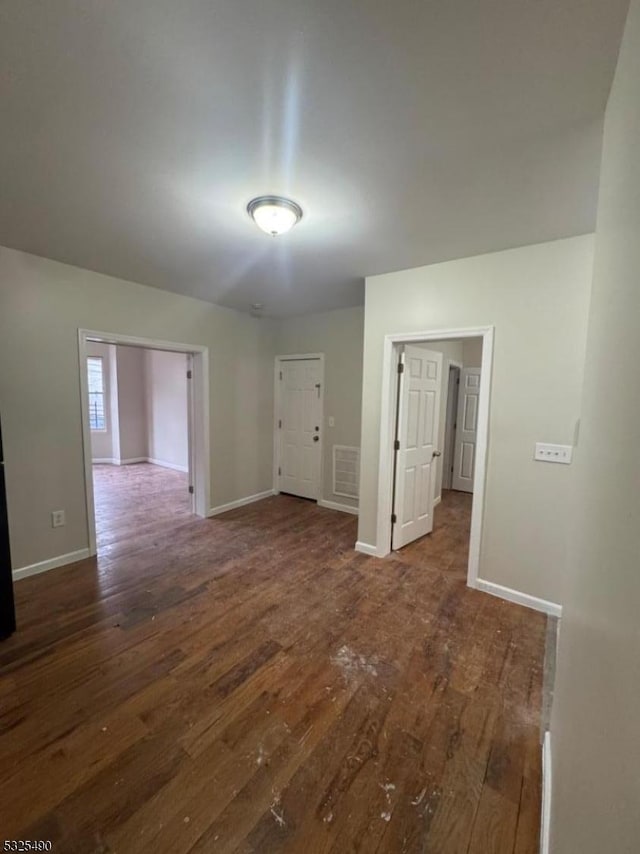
(346, 471)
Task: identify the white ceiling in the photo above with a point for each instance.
(134, 132)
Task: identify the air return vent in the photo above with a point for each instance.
(346, 471)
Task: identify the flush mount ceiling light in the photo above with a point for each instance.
(274, 214)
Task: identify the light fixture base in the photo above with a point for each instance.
(274, 214)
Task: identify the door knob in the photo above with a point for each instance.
(436, 454)
(316, 438)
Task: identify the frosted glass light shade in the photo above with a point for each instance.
(274, 214)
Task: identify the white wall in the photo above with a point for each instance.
(472, 352)
(537, 377)
(125, 436)
(131, 402)
(596, 717)
(339, 335)
(42, 305)
(167, 412)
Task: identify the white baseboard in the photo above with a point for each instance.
(545, 822)
(437, 500)
(366, 549)
(222, 508)
(112, 461)
(166, 465)
(550, 608)
(333, 505)
(52, 563)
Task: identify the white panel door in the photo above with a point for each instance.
(418, 419)
(464, 460)
(300, 424)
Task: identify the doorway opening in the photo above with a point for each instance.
(434, 431)
(145, 431)
(299, 425)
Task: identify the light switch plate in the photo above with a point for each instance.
(332, 421)
(546, 453)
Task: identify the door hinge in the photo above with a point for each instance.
(279, 470)
(191, 490)
(280, 374)
(396, 445)
(280, 423)
(400, 368)
(394, 518)
(189, 375)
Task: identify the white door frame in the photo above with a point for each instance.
(277, 415)
(198, 416)
(392, 344)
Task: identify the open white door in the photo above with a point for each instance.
(418, 418)
(299, 425)
(464, 461)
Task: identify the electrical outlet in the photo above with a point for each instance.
(553, 453)
(58, 519)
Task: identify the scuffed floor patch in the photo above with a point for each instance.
(351, 663)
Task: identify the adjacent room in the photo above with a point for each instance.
(139, 412)
(313, 320)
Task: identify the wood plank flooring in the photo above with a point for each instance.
(131, 501)
(249, 683)
(447, 547)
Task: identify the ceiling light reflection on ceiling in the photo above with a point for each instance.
(274, 214)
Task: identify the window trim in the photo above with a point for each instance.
(104, 429)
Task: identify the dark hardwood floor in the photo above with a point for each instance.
(133, 500)
(250, 683)
(447, 547)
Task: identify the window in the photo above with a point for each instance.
(95, 372)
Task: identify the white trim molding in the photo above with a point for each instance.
(112, 461)
(134, 460)
(334, 505)
(392, 344)
(550, 608)
(222, 508)
(545, 819)
(163, 464)
(367, 549)
(52, 563)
